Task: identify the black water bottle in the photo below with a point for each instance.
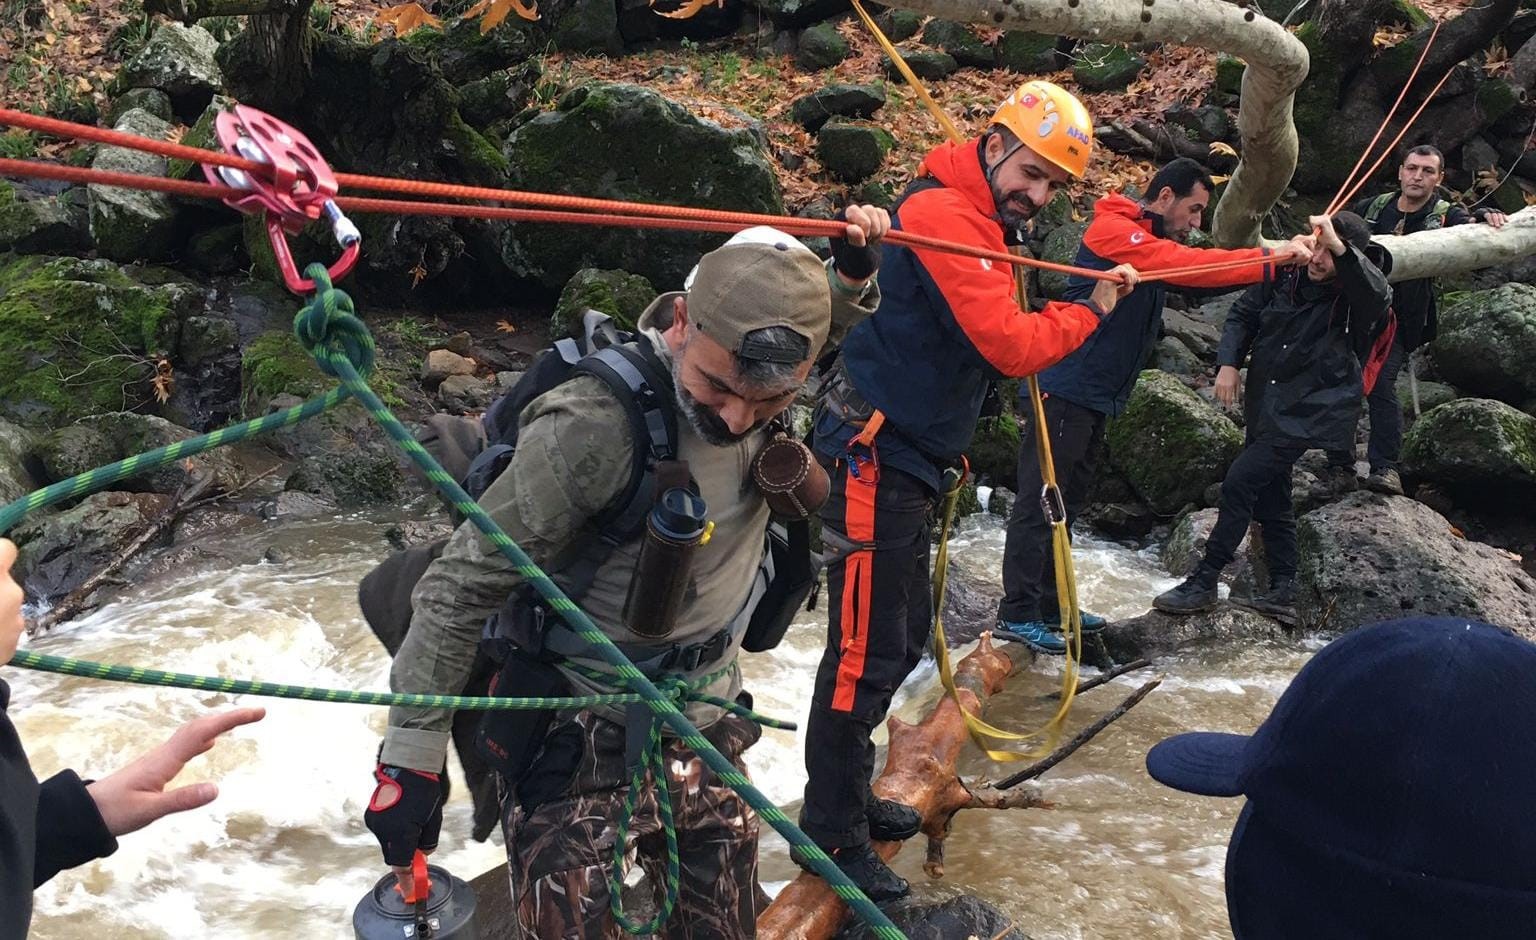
(675, 528)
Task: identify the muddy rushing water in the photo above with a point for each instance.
(283, 851)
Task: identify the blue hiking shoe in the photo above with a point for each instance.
(1036, 634)
(1092, 623)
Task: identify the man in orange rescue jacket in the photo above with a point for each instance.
(1092, 385)
(898, 408)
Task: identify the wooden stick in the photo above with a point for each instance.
(1104, 677)
(1081, 738)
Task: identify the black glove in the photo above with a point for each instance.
(858, 262)
(406, 812)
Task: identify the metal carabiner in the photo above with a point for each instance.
(295, 188)
(1052, 505)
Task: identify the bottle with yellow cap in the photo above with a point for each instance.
(676, 527)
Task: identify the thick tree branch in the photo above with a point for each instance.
(1277, 63)
(1460, 39)
(1461, 247)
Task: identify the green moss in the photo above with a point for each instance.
(619, 294)
(78, 337)
(202, 135)
(1170, 444)
(1322, 164)
(275, 364)
(994, 450)
(1496, 98)
(483, 163)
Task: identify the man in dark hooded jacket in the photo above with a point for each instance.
(1307, 332)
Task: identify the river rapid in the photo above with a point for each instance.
(283, 851)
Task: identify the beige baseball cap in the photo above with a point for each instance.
(761, 278)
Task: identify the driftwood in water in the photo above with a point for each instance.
(920, 772)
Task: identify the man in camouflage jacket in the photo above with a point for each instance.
(574, 456)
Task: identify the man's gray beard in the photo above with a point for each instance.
(705, 423)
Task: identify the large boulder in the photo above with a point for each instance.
(959, 41)
(1487, 344)
(619, 294)
(342, 456)
(18, 460)
(1155, 633)
(1185, 548)
(34, 223)
(792, 14)
(1105, 67)
(1368, 558)
(1060, 248)
(994, 451)
(820, 47)
(59, 552)
(207, 374)
(853, 152)
(81, 337)
(1170, 443)
(1023, 51)
(178, 60)
(604, 140)
(820, 106)
(1477, 449)
(134, 224)
(131, 434)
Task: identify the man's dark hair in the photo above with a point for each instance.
(1180, 175)
(1426, 150)
(1352, 229)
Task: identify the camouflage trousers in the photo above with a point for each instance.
(560, 847)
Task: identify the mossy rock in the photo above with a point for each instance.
(820, 47)
(483, 163)
(59, 552)
(853, 152)
(959, 41)
(134, 224)
(1431, 395)
(1229, 74)
(218, 250)
(1173, 357)
(153, 100)
(619, 294)
(583, 25)
(792, 14)
(1060, 247)
(1019, 50)
(899, 25)
(275, 364)
(81, 337)
(464, 54)
(32, 223)
(874, 193)
(602, 141)
(132, 434)
(994, 450)
(500, 96)
(202, 135)
(19, 457)
(1487, 343)
(1054, 214)
(924, 63)
(178, 60)
(1106, 67)
(1475, 448)
(342, 456)
(968, 503)
(833, 101)
(1170, 443)
(74, 450)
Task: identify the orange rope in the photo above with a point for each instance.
(1338, 203)
(1387, 152)
(558, 209)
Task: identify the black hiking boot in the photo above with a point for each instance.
(1195, 596)
(1385, 481)
(865, 869)
(1278, 602)
(1339, 480)
(890, 821)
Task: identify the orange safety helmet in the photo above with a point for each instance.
(1049, 120)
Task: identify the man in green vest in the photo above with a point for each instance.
(1415, 206)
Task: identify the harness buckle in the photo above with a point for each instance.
(690, 658)
(294, 188)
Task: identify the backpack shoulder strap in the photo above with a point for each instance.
(1437, 214)
(639, 380)
(1373, 212)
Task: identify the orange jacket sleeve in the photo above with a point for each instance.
(979, 293)
(1121, 241)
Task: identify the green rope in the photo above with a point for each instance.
(93, 480)
(343, 348)
(41, 662)
(653, 763)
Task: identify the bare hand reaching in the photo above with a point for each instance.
(1227, 390)
(135, 796)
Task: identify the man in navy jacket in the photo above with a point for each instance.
(1093, 384)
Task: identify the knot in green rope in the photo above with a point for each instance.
(329, 328)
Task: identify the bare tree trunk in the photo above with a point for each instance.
(268, 64)
(1461, 248)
